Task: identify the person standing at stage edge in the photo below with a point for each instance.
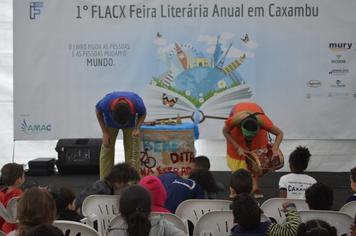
(245, 130)
(115, 111)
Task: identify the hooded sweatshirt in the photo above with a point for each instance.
(157, 191)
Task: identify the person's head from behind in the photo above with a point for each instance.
(316, 228)
(353, 179)
(12, 174)
(135, 208)
(319, 197)
(200, 162)
(64, 198)
(45, 230)
(240, 182)
(156, 189)
(249, 127)
(205, 179)
(36, 206)
(121, 112)
(121, 175)
(299, 159)
(247, 213)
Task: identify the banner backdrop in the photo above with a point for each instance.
(192, 58)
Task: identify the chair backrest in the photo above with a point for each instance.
(339, 220)
(215, 223)
(191, 210)
(104, 207)
(174, 219)
(273, 207)
(72, 228)
(349, 208)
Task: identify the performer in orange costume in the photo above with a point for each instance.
(246, 130)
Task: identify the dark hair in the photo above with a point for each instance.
(241, 181)
(316, 228)
(246, 211)
(10, 172)
(122, 113)
(202, 162)
(299, 159)
(63, 196)
(205, 179)
(353, 174)
(135, 208)
(319, 197)
(36, 206)
(45, 230)
(250, 123)
(122, 173)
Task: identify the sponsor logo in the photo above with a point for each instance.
(338, 60)
(314, 83)
(338, 95)
(35, 9)
(340, 46)
(311, 95)
(338, 84)
(339, 72)
(29, 129)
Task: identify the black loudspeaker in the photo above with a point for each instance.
(41, 166)
(78, 156)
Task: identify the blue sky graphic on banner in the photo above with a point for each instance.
(192, 58)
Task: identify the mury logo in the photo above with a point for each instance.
(28, 128)
(340, 46)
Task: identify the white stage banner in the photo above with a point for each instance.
(192, 58)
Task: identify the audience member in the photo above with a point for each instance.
(119, 177)
(316, 228)
(240, 182)
(293, 185)
(206, 180)
(247, 215)
(157, 191)
(353, 185)
(200, 162)
(12, 176)
(319, 197)
(135, 208)
(179, 189)
(65, 203)
(45, 230)
(35, 207)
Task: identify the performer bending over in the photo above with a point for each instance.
(115, 111)
(247, 130)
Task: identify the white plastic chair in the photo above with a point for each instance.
(273, 207)
(191, 210)
(349, 208)
(102, 208)
(215, 223)
(72, 228)
(339, 220)
(174, 219)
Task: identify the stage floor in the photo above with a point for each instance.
(338, 181)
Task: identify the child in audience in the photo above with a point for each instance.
(45, 230)
(36, 207)
(206, 180)
(319, 197)
(119, 177)
(135, 208)
(293, 185)
(247, 215)
(240, 182)
(157, 191)
(65, 203)
(12, 175)
(316, 227)
(200, 162)
(179, 189)
(353, 185)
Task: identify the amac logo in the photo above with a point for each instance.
(35, 128)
